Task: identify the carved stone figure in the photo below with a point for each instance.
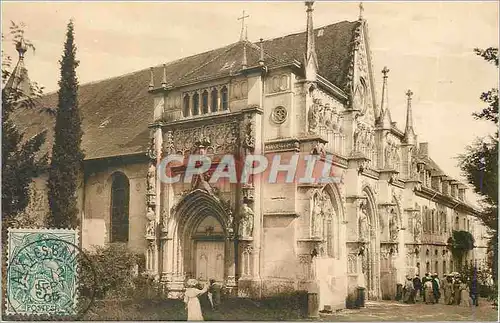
(317, 216)
(363, 222)
(393, 225)
(151, 150)
(151, 178)
(168, 144)
(202, 183)
(151, 225)
(249, 138)
(246, 221)
(313, 116)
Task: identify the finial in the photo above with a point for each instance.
(310, 58)
(242, 18)
(409, 94)
(409, 136)
(385, 71)
(21, 48)
(244, 63)
(309, 5)
(361, 10)
(151, 82)
(164, 80)
(246, 32)
(261, 59)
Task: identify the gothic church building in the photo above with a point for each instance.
(306, 93)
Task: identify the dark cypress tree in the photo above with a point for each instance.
(67, 156)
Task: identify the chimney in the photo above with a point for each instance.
(424, 148)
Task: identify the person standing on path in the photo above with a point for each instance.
(448, 290)
(408, 291)
(424, 280)
(456, 291)
(417, 284)
(435, 288)
(214, 292)
(474, 292)
(429, 295)
(464, 295)
(192, 302)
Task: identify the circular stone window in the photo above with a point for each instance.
(279, 115)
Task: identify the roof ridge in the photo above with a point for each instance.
(228, 48)
(169, 63)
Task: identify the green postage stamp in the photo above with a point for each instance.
(42, 272)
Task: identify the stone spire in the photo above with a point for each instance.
(385, 114)
(410, 137)
(164, 80)
(261, 59)
(244, 61)
(152, 81)
(19, 82)
(310, 59)
(361, 10)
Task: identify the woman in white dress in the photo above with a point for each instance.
(192, 302)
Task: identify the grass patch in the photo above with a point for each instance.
(288, 307)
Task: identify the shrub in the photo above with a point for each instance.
(109, 271)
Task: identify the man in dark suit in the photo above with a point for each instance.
(417, 284)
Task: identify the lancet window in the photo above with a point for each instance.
(205, 101)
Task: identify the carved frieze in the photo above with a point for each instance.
(223, 138)
(364, 141)
(289, 145)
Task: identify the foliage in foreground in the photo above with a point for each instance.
(480, 164)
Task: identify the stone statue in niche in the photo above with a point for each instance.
(393, 225)
(151, 150)
(363, 222)
(151, 178)
(317, 216)
(151, 225)
(249, 134)
(246, 221)
(313, 116)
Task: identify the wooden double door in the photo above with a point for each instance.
(209, 260)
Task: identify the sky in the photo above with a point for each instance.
(428, 47)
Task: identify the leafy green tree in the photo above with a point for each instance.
(480, 164)
(21, 157)
(67, 156)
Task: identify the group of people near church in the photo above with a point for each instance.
(198, 297)
(452, 290)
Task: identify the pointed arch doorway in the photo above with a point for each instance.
(200, 242)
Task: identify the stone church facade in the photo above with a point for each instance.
(311, 93)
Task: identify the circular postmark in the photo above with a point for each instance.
(43, 279)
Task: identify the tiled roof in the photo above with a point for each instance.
(116, 111)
